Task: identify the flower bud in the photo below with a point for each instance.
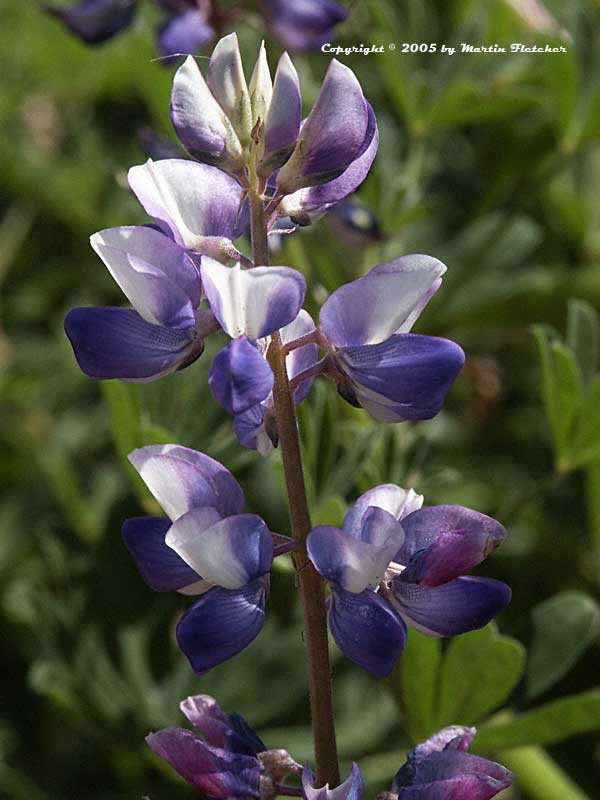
(228, 85)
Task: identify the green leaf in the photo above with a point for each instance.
(550, 723)
(564, 627)
(585, 444)
(479, 671)
(583, 336)
(414, 684)
(124, 405)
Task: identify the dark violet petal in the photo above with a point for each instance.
(182, 479)
(220, 624)
(230, 553)
(184, 33)
(332, 135)
(351, 789)
(304, 24)
(473, 787)
(249, 428)
(117, 343)
(409, 373)
(458, 606)
(396, 501)
(387, 300)
(456, 737)
(240, 376)
(95, 21)
(227, 731)
(160, 566)
(283, 118)
(216, 773)
(191, 200)
(444, 542)
(254, 302)
(316, 200)
(367, 630)
(453, 763)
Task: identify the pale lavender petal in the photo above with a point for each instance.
(95, 21)
(284, 118)
(229, 553)
(351, 789)
(181, 479)
(221, 729)
(184, 33)
(220, 624)
(117, 343)
(240, 376)
(216, 773)
(444, 542)
(458, 606)
(332, 136)
(255, 302)
(199, 121)
(367, 630)
(371, 309)
(396, 501)
(250, 430)
(227, 83)
(192, 200)
(302, 358)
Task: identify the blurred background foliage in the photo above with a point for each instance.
(490, 162)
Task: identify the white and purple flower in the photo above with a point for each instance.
(351, 789)
(442, 769)
(206, 547)
(230, 761)
(394, 563)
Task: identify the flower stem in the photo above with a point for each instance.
(310, 583)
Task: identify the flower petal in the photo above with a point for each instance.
(219, 728)
(227, 83)
(351, 789)
(249, 428)
(191, 200)
(356, 563)
(230, 553)
(396, 501)
(157, 276)
(216, 773)
(332, 135)
(455, 737)
(200, 123)
(474, 787)
(367, 630)
(220, 624)
(316, 200)
(458, 606)
(284, 118)
(240, 376)
(304, 25)
(182, 479)
(301, 358)
(453, 763)
(95, 21)
(254, 302)
(184, 33)
(387, 300)
(117, 343)
(444, 542)
(408, 373)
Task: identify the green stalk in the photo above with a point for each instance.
(539, 776)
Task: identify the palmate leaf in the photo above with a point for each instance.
(564, 626)
(414, 684)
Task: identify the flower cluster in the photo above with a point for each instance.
(302, 25)
(233, 762)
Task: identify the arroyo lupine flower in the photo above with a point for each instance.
(304, 24)
(230, 761)
(308, 166)
(186, 30)
(255, 427)
(394, 564)
(95, 21)
(377, 364)
(207, 547)
(352, 788)
(442, 769)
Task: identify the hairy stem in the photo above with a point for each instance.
(310, 583)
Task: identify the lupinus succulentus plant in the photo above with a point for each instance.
(393, 563)
(190, 24)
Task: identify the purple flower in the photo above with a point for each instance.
(377, 363)
(95, 21)
(208, 547)
(394, 564)
(230, 761)
(304, 24)
(351, 789)
(442, 769)
(187, 29)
